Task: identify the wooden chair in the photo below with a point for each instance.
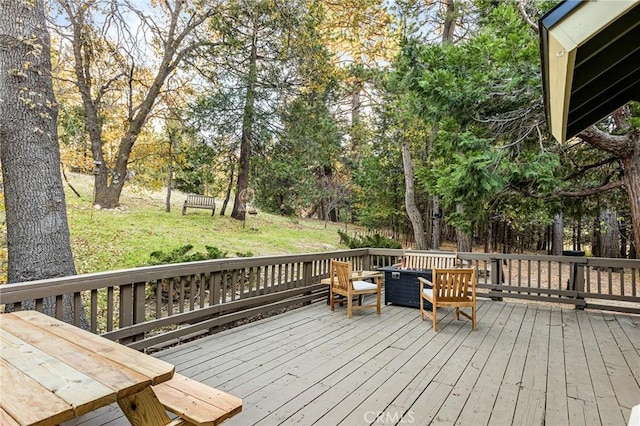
(343, 284)
(454, 288)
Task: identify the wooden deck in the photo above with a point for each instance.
(526, 364)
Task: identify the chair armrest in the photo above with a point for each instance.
(424, 281)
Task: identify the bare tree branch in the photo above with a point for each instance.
(620, 146)
(591, 191)
(522, 5)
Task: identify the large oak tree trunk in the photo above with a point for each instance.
(38, 239)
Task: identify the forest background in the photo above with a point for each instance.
(421, 117)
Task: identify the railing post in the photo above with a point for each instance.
(366, 263)
(126, 308)
(307, 275)
(497, 276)
(578, 283)
(139, 308)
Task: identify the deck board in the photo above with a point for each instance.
(526, 364)
(482, 397)
(608, 409)
(557, 411)
(580, 392)
(530, 406)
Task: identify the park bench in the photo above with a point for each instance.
(427, 260)
(199, 202)
(196, 403)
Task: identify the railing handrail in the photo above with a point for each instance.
(16, 292)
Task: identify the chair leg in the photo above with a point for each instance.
(473, 318)
(421, 308)
(434, 318)
(378, 303)
(349, 306)
(331, 300)
(458, 314)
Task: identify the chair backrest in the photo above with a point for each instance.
(456, 282)
(341, 275)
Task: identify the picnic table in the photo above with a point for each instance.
(52, 372)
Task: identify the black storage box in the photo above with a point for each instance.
(401, 286)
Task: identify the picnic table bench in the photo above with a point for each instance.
(196, 403)
(196, 201)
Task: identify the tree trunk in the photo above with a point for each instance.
(609, 234)
(435, 229)
(624, 238)
(247, 128)
(463, 238)
(506, 235)
(169, 172)
(626, 148)
(356, 106)
(449, 26)
(557, 243)
(227, 196)
(38, 239)
(595, 241)
(631, 178)
(167, 202)
(412, 210)
(579, 233)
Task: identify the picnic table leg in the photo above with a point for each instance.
(144, 409)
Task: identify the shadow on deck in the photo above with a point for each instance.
(526, 364)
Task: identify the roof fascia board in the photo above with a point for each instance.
(564, 29)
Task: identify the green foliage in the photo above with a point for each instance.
(362, 241)
(195, 172)
(290, 169)
(482, 98)
(183, 254)
(634, 119)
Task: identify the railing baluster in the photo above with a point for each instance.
(110, 308)
(59, 307)
(202, 287)
(158, 293)
(77, 309)
(93, 316)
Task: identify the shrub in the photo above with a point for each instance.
(361, 241)
(182, 254)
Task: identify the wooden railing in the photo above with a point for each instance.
(151, 307)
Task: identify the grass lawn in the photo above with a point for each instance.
(123, 238)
